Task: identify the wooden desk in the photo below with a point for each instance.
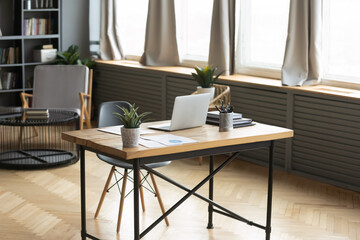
(211, 142)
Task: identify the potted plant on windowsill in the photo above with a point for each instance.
(72, 57)
(225, 117)
(130, 132)
(205, 78)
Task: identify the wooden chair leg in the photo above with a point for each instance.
(200, 160)
(141, 193)
(104, 191)
(159, 198)
(123, 190)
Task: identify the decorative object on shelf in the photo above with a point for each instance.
(205, 78)
(44, 53)
(72, 57)
(130, 132)
(226, 117)
(0, 32)
(44, 4)
(27, 4)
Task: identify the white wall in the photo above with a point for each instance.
(75, 25)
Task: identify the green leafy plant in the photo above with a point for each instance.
(225, 109)
(205, 76)
(72, 57)
(130, 119)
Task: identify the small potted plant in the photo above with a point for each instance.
(205, 78)
(225, 117)
(130, 132)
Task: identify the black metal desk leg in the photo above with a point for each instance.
(270, 189)
(136, 199)
(82, 193)
(211, 193)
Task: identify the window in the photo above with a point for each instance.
(341, 40)
(261, 36)
(132, 19)
(193, 24)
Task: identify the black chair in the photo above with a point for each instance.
(107, 118)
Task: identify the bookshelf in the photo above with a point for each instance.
(23, 29)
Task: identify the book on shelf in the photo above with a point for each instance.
(45, 46)
(1, 54)
(4, 55)
(11, 57)
(0, 32)
(36, 116)
(37, 111)
(38, 26)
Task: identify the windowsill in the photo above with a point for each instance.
(323, 89)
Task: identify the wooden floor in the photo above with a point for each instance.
(45, 204)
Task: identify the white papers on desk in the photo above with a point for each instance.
(116, 130)
(149, 143)
(169, 139)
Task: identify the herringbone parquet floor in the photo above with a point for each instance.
(45, 204)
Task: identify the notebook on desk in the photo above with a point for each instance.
(189, 111)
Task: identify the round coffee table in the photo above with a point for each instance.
(33, 142)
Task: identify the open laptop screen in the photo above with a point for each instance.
(189, 111)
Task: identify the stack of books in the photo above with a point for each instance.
(238, 120)
(37, 113)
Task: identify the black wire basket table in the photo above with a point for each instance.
(34, 142)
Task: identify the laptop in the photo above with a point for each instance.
(189, 111)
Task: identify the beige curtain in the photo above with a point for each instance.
(221, 52)
(160, 40)
(110, 47)
(303, 46)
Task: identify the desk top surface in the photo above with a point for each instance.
(207, 135)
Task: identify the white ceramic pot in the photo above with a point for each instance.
(225, 122)
(130, 137)
(210, 90)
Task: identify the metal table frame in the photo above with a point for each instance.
(213, 206)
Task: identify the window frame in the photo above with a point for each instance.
(241, 24)
(333, 79)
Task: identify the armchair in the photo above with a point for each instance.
(60, 87)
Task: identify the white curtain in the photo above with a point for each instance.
(303, 46)
(110, 46)
(221, 52)
(160, 40)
